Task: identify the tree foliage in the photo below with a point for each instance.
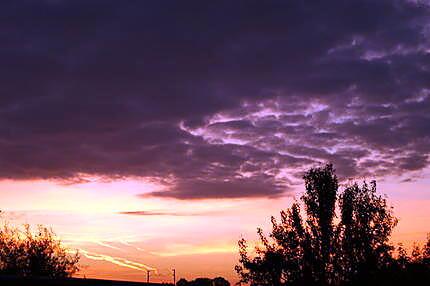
(218, 281)
(330, 238)
(39, 253)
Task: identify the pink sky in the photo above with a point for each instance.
(196, 237)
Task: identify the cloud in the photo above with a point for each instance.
(118, 261)
(216, 189)
(167, 213)
(223, 100)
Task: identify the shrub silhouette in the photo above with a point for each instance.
(218, 281)
(25, 253)
(316, 247)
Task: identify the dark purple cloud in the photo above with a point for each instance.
(217, 100)
(218, 188)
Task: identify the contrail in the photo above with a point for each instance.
(107, 245)
(131, 245)
(118, 261)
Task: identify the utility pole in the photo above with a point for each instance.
(174, 277)
(147, 275)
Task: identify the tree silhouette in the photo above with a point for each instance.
(319, 200)
(426, 249)
(25, 253)
(363, 232)
(218, 281)
(312, 247)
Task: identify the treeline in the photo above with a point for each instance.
(333, 238)
(218, 281)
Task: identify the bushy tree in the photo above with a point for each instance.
(317, 248)
(279, 261)
(363, 232)
(39, 253)
(426, 250)
(218, 281)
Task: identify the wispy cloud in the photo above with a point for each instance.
(101, 243)
(167, 213)
(118, 261)
(187, 249)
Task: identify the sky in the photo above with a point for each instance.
(152, 135)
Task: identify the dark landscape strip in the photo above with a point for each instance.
(36, 281)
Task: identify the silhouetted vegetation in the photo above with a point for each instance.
(337, 239)
(218, 281)
(6, 280)
(28, 254)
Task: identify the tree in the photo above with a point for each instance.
(426, 249)
(182, 282)
(314, 250)
(320, 199)
(363, 232)
(25, 253)
(218, 281)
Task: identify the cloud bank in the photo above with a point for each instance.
(215, 100)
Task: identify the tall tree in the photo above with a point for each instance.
(320, 199)
(315, 250)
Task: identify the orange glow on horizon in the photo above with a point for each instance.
(164, 233)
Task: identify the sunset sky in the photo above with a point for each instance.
(152, 135)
